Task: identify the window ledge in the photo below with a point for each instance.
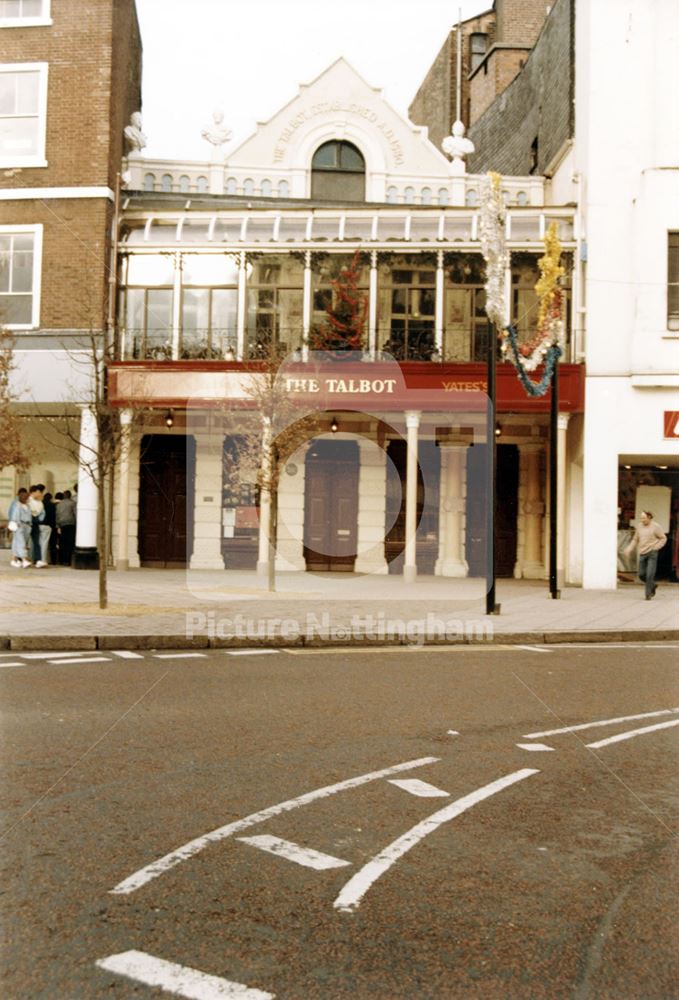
(25, 22)
(22, 161)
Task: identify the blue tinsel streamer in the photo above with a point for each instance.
(533, 388)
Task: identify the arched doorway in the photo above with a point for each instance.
(331, 506)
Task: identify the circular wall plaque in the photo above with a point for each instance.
(291, 469)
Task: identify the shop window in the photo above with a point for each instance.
(406, 308)
(275, 297)
(673, 281)
(465, 324)
(338, 172)
(240, 504)
(20, 253)
(23, 114)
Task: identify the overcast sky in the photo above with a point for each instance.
(247, 57)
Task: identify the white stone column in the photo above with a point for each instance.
(562, 443)
(240, 315)
(290, 526)
(451, 561)
(207, 511)
(410, 560)
(85, 555)
(372, 497)
(372, 305)
(440, 291)
(531, 514)
(122, 556)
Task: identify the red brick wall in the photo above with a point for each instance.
(93, 51)
(75, 258)
(519, 22)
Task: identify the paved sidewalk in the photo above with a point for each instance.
(152, 608)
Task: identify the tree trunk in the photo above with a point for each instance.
(102, 547)
(273, 519)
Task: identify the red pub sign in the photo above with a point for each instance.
(671, 423)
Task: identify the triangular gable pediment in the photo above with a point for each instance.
(340, 104)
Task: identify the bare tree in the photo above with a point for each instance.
(12, 451)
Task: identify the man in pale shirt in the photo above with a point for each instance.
(650, 538)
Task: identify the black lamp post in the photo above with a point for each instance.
(491, 474)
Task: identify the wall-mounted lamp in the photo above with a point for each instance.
(498, 431)
(334, 425)
(169, 419)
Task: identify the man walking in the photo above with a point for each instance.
(40, 532)
(65, 518)
(650, 538)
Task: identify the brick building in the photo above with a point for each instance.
(70, 77)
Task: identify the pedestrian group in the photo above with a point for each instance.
(42, 527)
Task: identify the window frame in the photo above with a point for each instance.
(36, 285)
(37, 159)
(34, 21)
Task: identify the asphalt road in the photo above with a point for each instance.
(341, 824)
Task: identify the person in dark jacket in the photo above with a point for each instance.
(65, 518)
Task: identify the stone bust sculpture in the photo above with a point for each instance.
(456, 145)
(217, 134)
(134, 134)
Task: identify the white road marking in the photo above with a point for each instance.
(535, 649)
(601, 722)
(179, 656)
(417, 787)
(83, 659)
(357, 886)
(250, 652)
(126, 654)
(305, 856)
(179, 980)
(168, 861)
(631, 733)
(10, 664)
(453, 732)
(55, 655)
(533, 746)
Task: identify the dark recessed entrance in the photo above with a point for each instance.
(166, 477)
(505, 514)
(331, 506)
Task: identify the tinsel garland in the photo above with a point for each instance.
(493, 248)
(549, 355)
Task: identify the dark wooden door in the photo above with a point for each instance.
(331, 506)
(166, 474)
(505, 514)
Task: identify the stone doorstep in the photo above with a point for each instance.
(108, 642)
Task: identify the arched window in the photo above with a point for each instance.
(409, 196)
(231, 185)
(521, 198)
(201, 185)
(425, 196)
(265, 188)
(283, 189)
(166, 182)
(471, 199)
(248, 186)
(392, 195)
(184, 184)
(338, 172)
(149, 182)
(443, 196)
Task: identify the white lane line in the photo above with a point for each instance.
(601, 722)
(421, 788)
(453, 732)
(355, 889)
(168, 861)
(533, 746)
(179, 980)
(305, 856)
(535, 649)
(83, 659)
(126, 654)
(250, 652)
(179, 656)
(17, 664)
(55, 655)
(632, 733)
